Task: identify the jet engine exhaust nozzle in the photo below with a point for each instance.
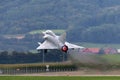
(64, 48)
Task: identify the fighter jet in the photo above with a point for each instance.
(53, 41)
(77, 54)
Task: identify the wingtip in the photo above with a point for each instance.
(39, 43)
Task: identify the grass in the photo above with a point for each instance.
(98, 45)
(112, 58)
(59, 78)
(35, 64)
(40, 31)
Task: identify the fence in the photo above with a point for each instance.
(36, 69)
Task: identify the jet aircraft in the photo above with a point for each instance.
(53, 41)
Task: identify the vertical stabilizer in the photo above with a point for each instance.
(62, 38)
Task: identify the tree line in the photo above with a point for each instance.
(95, 21)
(28, 57)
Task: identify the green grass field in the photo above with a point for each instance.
(112, 58)
(99, 45)
(59, 78)
(40, 31)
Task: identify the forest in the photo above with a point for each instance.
(93, 21)
(14, 57)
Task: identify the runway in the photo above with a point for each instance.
(76, 73)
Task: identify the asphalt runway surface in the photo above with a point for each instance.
(75, 73)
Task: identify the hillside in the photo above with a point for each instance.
(84, 19)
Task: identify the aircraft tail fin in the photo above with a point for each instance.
(62, 38)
